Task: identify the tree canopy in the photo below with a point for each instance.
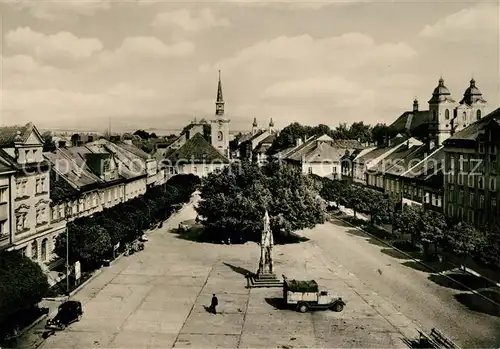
(22, 284)
(290, 134)
(234, 201)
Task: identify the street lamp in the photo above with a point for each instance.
(67, 213)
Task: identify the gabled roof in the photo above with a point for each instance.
(410, 120)
(324, 152)
(75, 172)
(429, 166)
(322, 148)
(198, 150)
(8, 134)
(402, 159)
(134, 150)
(471, 132)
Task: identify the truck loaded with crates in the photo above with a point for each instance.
(306, 295)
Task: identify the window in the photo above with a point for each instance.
(195, 169)
(433, 199)
(439, 204)
(450, 210)
(447, 114)
(451, 177)
(54, 212)
(452, 163)
(481, 147)
(44, 250)
(41, 215)
(106, 165)
(3, 195)
(451, 195)
(20, 222)
(461, 161)
(471, 199)
(480, 182)
(478, 115)
(21, 188)
(460, 213)
(464, 117)
(427, 198)
(470, 215)
(206, 169)
(34, 250)
(94, 200)
(220, 136)
(481, 201)
(38, 186)
(460, 178)
(493, 183)
(460, 196)
(43, 180)
(471, 181)
(493, 203)
(334, 169)
(310, 170)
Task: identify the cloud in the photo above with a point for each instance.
(54, 46)
(185, 20)
(61, 10)
(472, 24)
(294, 5)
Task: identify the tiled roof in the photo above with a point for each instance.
(75, 172)
(411, 119)
(400, 161)
(9, 133)
(269, 139)
(130, 168)
(428, 166)
(197, 149)
(324, 152)
(472, 131)
(134, 150)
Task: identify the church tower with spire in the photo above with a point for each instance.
(220, 124)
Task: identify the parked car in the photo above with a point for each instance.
(68, 312)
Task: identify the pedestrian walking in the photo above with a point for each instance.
(214, 304)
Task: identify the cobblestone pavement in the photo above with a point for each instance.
(157, 299)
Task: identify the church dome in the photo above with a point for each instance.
(472, 93)
(441, 89)
(441, 93)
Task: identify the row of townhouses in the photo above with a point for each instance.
(443, 158)
(41, 191)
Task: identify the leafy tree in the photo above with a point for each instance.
(381, 133)
(153, 135)
(380, 206)
(432, 227)
(89, 244)
(333, 191)
(22, 284)
(143, 134)
(361, 132)
(406, 222)
(288, 137)
(464, 240)
(488, 251)
(48, 142)
(234, 201)
(355, 198)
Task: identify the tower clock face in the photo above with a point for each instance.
(220, 122)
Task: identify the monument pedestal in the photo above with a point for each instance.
(264, 280)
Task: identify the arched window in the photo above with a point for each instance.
(34, 250)
(447, 114)
(464, 116)
(44, 250)
(478, 115)
(220, 136)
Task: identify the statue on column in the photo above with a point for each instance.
(266, 248)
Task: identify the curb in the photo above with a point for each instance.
(422, 263)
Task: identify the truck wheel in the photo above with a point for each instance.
(338, 307)
(303, 308)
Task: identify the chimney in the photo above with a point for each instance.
(415, 105)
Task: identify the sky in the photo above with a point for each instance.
(154, 64)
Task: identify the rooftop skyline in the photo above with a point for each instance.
(152, 64)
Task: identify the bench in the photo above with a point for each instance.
(436, 340)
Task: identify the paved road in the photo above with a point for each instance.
(408, 289)
(157, 298)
